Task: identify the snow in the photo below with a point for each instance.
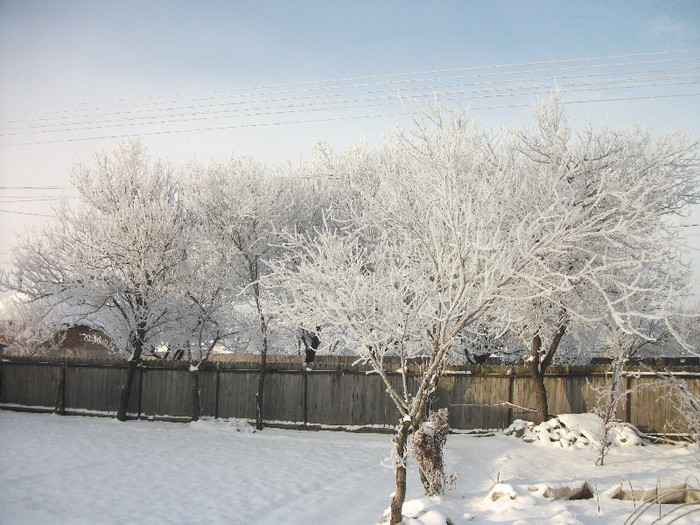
(577, 430)
(72, 469)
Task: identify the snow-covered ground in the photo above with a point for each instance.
(92, 470)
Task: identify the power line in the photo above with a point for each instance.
(383, 76)
(341, 92)
(323, 96)
(36, 188)
(350, 98)
(331, 119)
(354, 104)
(26, 213)
(24, 200)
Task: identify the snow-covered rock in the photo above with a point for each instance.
(574, 430)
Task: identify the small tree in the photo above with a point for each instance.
(202, 313)
(613, 392)
(686, 404)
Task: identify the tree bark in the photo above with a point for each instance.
(538, 363)
(540, 392)
(60, 406)
(254, 273)
(125, 394)
(401, 442)
(196, 406)
(132, 365)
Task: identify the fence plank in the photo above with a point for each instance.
(30, 384)
(92, 388)
(335, 393)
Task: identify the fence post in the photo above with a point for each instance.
(509, 395)
(141, 368)
(306, 396)
(60, 406)
(628, 399)
(216, 392)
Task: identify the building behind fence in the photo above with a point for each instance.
(335, 393)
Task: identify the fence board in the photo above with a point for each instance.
(166, 392)
(337, 395)
(237, 394)
(283, 396)
(92, 388)
(469, 400)
(30, 384)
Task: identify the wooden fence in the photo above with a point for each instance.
(335, 393)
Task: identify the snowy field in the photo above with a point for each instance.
(62, 470)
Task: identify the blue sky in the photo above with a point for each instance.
(83, 48)
(61, 54)
(54, 53)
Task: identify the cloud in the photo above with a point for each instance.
(668, 25)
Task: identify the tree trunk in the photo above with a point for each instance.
(540, 394)
(254, 275)
(132, 365)
(538, 363)
(125, 395)
(401, 442)
(537, 369)
(196, 407)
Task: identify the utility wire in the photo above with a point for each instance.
(328, 119)
(353, 104)
(351, 98)
(341, 91)
(24, 200)
(36, 188)
(26, 213)
(388, 75)
(326, 96)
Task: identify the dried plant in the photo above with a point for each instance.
(427, 447)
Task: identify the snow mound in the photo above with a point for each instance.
(239, 425)
(421, 511)
(503, 490)
(542, 504)
(574, 430)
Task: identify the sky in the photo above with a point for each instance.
(206, 79)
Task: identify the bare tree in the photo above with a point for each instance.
(612, 393)
(202, 312)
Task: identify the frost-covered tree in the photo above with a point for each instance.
(246, 209)
(202, 312)
(116, 258)
(686, 402)
(436, 233)
(613, 393)
(612, 202)
(536, 232)
(27, 327)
